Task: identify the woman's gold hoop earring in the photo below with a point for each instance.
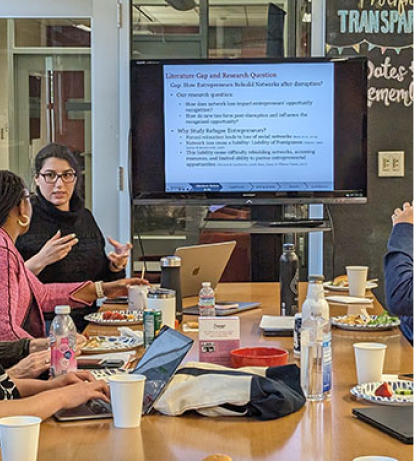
(24, 223)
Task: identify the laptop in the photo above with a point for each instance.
(395, 421)
(158, 364)
(203, 263)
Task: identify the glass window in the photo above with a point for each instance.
(204, 29)
(220, 28)
(48, 92)
(52, 33)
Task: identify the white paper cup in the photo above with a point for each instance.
(127, 392)
(374, 458)
(369, 361)
(357, 280)
(19, 437)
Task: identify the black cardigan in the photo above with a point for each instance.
(86, 261)
(12, 352)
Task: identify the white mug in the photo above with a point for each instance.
(137, 297)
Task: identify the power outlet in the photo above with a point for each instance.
(391, 164)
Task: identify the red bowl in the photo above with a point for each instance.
(258, 357)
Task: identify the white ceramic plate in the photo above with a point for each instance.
(330, 287)
(102, 344)
(354, 327)
(97, 317)
(367, 392)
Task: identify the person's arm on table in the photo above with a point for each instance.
(49, 402)
(87, 292)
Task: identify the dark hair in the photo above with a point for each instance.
(55, 150)
(11, 193)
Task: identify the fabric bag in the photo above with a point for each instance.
(214, 390)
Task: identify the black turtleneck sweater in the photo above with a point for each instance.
(86, 261)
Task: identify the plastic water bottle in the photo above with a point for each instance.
(206, 301)
(316, 343)
(62, 342)
(289, 280)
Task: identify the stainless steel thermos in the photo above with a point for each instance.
(170, 278)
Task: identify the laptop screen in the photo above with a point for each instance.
(159, 363)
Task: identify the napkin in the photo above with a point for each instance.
(126, 331)
(348, 300)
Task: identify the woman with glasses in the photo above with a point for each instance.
(23, 297)
(64, 242)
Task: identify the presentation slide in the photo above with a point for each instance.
(249, 127)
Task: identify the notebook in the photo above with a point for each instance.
(395, 421)
(158, 364)
(202, 263)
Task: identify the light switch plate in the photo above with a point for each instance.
(391, 164)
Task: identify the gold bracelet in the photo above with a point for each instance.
(99, 290)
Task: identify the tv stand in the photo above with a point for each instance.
(268, 227)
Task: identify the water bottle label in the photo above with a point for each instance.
(327, 364)
(63, 358)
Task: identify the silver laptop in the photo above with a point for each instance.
(203, 263)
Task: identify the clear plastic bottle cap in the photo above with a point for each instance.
(62, 310)
(206, 284)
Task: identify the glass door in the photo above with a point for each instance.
(64, 68)
(52, 104)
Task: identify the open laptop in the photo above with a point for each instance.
(203, 263)
(158, 364)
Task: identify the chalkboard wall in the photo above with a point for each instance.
(382, 31)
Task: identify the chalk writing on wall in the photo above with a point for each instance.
(382, 31)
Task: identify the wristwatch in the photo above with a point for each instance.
(99, 290)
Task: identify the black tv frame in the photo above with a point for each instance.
(147, 172)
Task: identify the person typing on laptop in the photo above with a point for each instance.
(32, 397)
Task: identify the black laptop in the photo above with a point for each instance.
(158, 364)
(395, 421)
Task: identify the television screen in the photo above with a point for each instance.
(259, 131)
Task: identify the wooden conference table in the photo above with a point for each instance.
(318, 432)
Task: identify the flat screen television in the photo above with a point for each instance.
(250, 131)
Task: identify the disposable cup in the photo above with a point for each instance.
(357, 280)
(369, 361)
(374, 458)
(127, 392)
(19, 438)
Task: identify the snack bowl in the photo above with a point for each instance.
(258, 357)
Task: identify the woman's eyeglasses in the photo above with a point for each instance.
(51, 177)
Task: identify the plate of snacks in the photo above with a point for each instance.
(340, 284)
(103, 344)
(115, 318)
(397, 393)
(360, 322)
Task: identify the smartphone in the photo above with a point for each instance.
(99, 364)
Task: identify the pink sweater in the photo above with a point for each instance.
(20, 289)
